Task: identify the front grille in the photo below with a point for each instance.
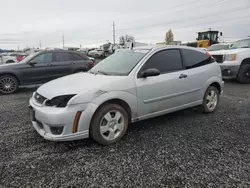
(218, 58)
(39, 98)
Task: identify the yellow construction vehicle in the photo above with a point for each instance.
(206, 39)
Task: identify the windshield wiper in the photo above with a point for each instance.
(102, 72)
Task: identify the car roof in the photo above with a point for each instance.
(159, 47)
(220, 44)
(60, 51)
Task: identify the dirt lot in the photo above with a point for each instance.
(182, 149)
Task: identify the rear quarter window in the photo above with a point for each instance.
(193, 58)
(77, 57)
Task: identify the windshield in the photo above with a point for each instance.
(29, 57)
(241, 44)
(119, 64)
(218, 47)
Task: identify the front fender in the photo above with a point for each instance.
(129, 98)
(12, 74)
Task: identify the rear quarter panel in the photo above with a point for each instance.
(213, 75)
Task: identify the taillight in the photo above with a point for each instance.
(209, 55)
(91, 63)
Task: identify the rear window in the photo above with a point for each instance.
(193, 58)
(62, 56)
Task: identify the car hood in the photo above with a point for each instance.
(229, 51)
(77, 84)
(4, 66)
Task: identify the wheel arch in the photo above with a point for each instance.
(245, 61)
(216, 85)
(118, 101)
(11, 74)
(10, 61)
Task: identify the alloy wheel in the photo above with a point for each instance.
(112, 125)
(212, 100)
(7, 85)
(247, 74)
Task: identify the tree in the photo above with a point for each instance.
(126, 38)
(169, 37)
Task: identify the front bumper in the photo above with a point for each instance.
(229, 71)
(46, 119)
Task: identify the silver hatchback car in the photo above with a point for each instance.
(126, 87)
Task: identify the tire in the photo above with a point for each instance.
(10, 61)
(244, 74)
(109, 124)
(210, 100)
(8, 84)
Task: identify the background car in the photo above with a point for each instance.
(6, 59)
(99, 53)
(220, 46)
(41, 67)
(235, 62)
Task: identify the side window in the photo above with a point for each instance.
(193, 59)
(61, 56)
(76, 57)
(43, 58)
(165, 61)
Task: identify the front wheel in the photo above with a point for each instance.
(8, 84)
(109, 124)
(210, 100)
(244, 74)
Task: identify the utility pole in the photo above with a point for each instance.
(40, 44)
(63, 40)
(114, 32)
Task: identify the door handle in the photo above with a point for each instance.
(183, 76)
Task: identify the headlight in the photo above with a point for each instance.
(60, 101)
(230, 57)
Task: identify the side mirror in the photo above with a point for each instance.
(221, 33)
(150, 72)
(32, 63)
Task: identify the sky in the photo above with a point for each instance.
(89, 22)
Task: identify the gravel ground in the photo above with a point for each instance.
(182, 149)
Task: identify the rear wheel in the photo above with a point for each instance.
(109, 124)
(244, 74)
(8, 84)
(210, 100)
(10, 61)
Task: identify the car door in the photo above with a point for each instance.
(38, 69)
(198, 68)
(61, 64)
(166, 91)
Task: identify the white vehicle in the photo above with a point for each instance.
(131, 45)
(235, 62)
(96, 53)
(126, 87)
(220, 46)
(7, 59)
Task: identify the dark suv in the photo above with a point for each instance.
(42, 67)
